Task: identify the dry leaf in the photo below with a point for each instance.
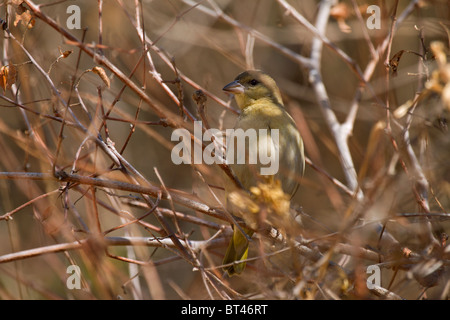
(438, 50)
(102, 74)
(266, 204)
(272, 195)
(402, 110)
(341, 12)
(440, 79)
(7, 76)
(66, 53)
(23, 15)
(393, 63)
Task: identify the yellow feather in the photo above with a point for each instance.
(261, 106)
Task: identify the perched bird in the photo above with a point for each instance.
(261, 106)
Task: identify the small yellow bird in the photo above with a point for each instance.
(259, 100)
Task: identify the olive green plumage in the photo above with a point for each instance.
(259, 100)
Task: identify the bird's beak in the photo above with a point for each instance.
(234, 87)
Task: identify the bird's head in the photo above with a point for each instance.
(251, 86)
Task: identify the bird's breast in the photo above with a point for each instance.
(281, 143)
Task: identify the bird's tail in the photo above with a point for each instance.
(237, 250)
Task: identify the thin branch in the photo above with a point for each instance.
(339, 132)
(153, 191)
(108, 241)
(8, 215)
(218, 13)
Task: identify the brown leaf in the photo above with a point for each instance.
(23, 15)
(341, 12)
(7, 76)
(393, 63)
(438, 50)
(102, 74)
(66, 53)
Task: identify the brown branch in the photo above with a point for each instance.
(152, 191)
(109, 241)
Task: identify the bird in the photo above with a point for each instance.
(261, 107)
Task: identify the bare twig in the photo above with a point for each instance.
(109, 241)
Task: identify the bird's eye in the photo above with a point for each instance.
(254, 82)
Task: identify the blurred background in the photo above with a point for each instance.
(210, 42)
